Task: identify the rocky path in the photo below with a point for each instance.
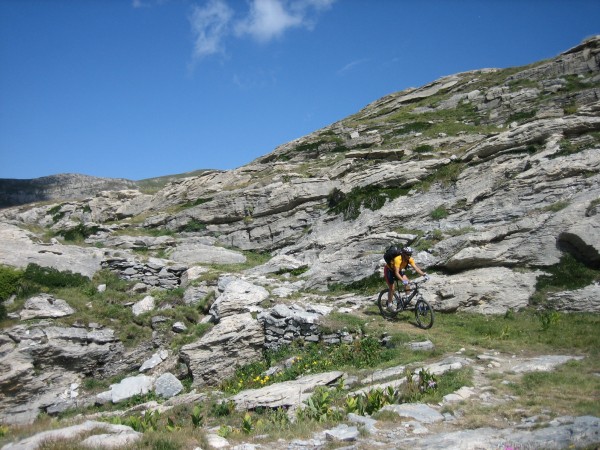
(446, 425)
(452, 424)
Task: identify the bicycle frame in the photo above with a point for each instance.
(400, 289)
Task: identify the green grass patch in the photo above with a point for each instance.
(367, 286)
(568, 275)
(569, 384)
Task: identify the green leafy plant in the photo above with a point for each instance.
(223, 408)
(197, 417)
(417, 385)
(171, 426)
(548, 318)
(247, 423)
(319, 407)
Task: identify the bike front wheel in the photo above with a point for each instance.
(424, 314)
(388, 313)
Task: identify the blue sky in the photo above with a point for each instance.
(144, 88)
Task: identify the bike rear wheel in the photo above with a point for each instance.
(424, 314)
(382, 304)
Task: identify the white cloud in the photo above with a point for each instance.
(213, 22)
(210, 25)
(268, 19)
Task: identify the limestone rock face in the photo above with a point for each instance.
(488, 291)
(18, 248)
(235, 341)
(41, 364)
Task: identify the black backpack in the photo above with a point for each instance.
(391, 253)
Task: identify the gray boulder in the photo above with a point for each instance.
(126, 388)
(45, 306)
(167, 385)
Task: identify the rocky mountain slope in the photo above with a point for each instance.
(491, 175)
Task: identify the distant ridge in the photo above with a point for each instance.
(69, 186)
(65, 186)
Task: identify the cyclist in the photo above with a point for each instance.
(396, 270)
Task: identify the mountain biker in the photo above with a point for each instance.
(395, 270)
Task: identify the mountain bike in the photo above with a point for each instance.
(423, 311)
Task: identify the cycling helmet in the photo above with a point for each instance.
(407, 251)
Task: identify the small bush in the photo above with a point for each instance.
(413, 127)
(439, 213)
(370, 197)
(53, 278)
(78, 233)
(423, 149)
(522, 116)
(9, 282)
(194, 226)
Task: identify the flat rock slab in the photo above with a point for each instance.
(112, 435)
(543, 363)
(286, 394)
(418, 411)
(579, 432)
(45, 306)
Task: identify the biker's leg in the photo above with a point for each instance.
(387, 276)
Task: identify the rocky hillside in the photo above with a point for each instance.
(493, 176)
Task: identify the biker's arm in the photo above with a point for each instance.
(419, 271)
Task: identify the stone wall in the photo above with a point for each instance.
(154, 273)
(284, 324)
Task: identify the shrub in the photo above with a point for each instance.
(370, 197)
(194, 226)
(9, 282)
(521, 116)
(439, 213)
(413, 127)
(9, 285)
(425, 148)
(78, 233)
(368, 285)
(53, 278)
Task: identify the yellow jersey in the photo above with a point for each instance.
(401, 262)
